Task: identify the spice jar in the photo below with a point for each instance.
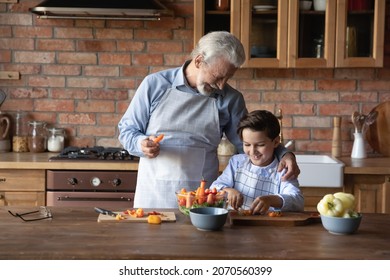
(37, 137)
(20, 139)
(319, 47)
(225, 147)
(55, 139)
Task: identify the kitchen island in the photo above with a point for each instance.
(74, 233)
(368, 179)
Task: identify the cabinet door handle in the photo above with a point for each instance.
(2, 199)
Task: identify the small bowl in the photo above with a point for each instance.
(305, 5)
(208, 218)
(340, 225)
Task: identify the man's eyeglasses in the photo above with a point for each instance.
(42, 213)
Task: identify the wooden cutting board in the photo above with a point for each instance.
(166, 217)
(378, 134)
(287, 219)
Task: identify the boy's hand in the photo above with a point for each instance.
(235, 198)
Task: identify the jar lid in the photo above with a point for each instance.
(37, 123)
(55, 129)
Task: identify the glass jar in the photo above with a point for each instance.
(319, 47)
(20, 139)
(37, 137)
(55, 139)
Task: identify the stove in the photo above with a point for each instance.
(113, 189)
(95, 153)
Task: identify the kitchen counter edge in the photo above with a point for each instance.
(11, 160)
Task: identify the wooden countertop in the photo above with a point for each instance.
(371, 165)
(41, 161)
(375, 165)
(74, 233)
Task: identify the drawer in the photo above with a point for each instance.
(22, 198)
(22, 180)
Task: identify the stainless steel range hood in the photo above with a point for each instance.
(102, 9)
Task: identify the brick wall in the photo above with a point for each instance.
(82, 74)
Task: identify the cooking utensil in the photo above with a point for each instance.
(369, 120)
(358, 120)
(378, 133)
(355, 120)
(105, 212)
(3, 96)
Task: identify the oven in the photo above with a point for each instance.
(91, 188)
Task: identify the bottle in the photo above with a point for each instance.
(336, 140)
(20, 139)
(319, 47)
(55, 139)
(222, 5)
(225, 147)
(37, 137)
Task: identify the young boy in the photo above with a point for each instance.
(251, 179)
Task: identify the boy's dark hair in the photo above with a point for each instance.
(260, 120)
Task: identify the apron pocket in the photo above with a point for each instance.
(178, 163)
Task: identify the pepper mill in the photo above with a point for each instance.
(336, 140)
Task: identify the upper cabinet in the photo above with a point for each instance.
(216, 15)
(282, 34)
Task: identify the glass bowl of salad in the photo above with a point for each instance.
(187, 199)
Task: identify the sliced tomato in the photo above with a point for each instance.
(275, 214)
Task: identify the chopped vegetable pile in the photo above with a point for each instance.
(202, 197)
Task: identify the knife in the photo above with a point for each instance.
(105, 212)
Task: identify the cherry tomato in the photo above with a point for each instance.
(182, 201)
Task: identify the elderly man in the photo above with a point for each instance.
(192, 106)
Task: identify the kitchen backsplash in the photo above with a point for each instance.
(82, 74)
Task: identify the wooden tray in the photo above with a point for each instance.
(166, 217)
(378, 134)
(287, 219)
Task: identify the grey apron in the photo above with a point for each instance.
(252, 184)
(188, 151)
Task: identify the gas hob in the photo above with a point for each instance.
(96, 153)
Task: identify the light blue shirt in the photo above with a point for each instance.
(289, 191)
(132, 126)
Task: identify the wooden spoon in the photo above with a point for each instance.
(355, 120)
(369, 120)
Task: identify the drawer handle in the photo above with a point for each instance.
(2, 180)
(69, 198)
